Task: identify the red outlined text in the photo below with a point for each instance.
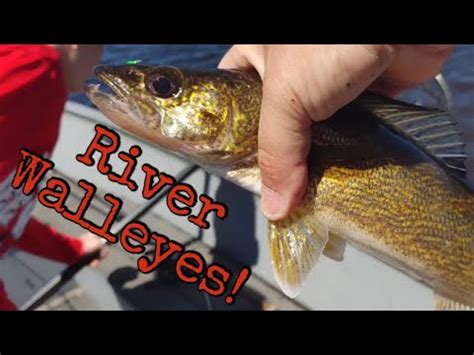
(182, 200)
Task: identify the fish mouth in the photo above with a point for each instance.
(112, 98)
(106, 82)
(120, 107)
(120, 92)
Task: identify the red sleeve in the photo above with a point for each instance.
(42, 240)
(32, 98)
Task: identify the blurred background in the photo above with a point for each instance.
(359, 282)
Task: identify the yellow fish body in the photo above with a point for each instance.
(384, 175)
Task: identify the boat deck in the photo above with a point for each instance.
(359, 282)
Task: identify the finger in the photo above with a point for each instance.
(336, 75)
(390, 87)
(244, 57)
(329, 79)
(284, 142)
(406, 71)
(415, 64)
(104, 252)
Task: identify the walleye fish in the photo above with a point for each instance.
(385, 176)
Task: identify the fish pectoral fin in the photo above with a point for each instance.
(335, 247)
(446, 304)
(296, 244)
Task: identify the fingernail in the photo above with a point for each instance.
(273, 204)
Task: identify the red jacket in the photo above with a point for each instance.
(32, 98)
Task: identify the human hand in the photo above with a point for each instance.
(307, 83)
(77, 62)
(92, 243)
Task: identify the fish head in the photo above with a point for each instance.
(210, 115)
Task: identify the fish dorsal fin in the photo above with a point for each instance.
(433, 130)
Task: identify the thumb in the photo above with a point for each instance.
(284, 143)
(289, 107)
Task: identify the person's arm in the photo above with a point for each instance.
(31, 78)
(309, 83)
(42, 240)
(77, 61)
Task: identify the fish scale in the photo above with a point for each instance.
(385, 176)
(411, 219)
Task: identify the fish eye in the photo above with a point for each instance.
(161, 86)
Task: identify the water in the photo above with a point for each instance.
(458, 72)
(192, 55)
(189, 56)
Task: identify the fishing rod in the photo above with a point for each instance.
(60, 280)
